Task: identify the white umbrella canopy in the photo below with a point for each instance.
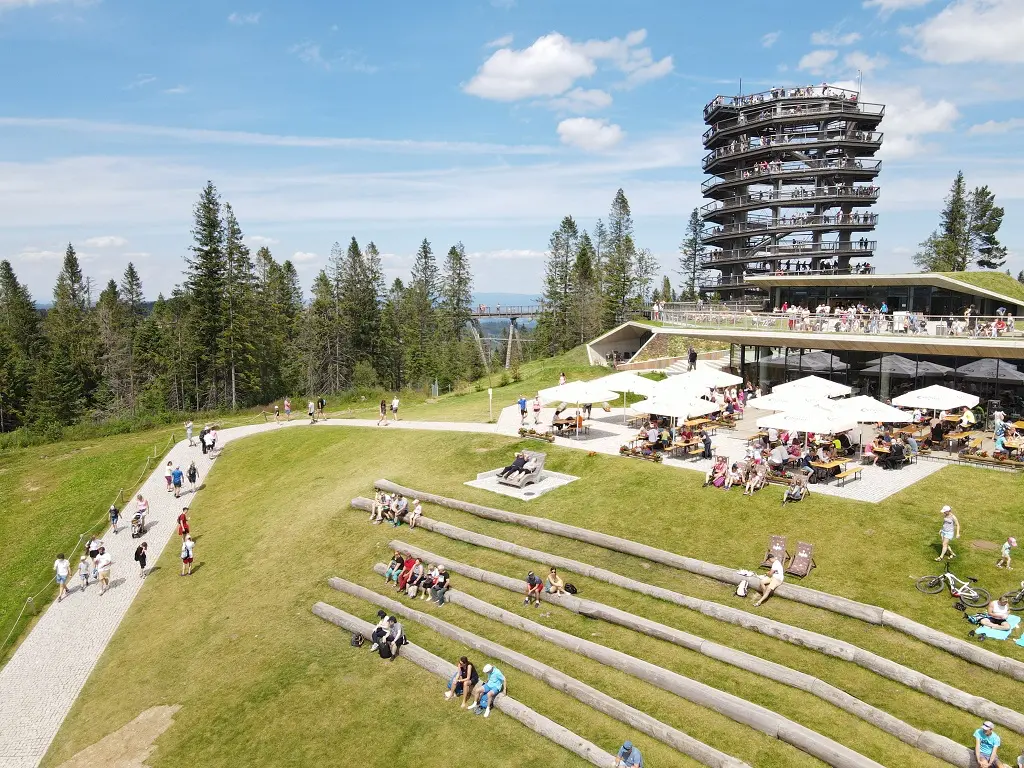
(937, 398)
(700, 378)
(868, 410)
(577, 392)
(679, 405)
(785, 401)
(627, 381)
(813, 385)
(812, 417)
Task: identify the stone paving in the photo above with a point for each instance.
(44, 676)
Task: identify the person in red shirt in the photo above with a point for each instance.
(183, 529)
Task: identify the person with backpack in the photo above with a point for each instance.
(495, 684)
(193, 477)
(321, 404)
(202, 438)
(187, 555)
(140, 558)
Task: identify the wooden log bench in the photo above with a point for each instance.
(850, 474)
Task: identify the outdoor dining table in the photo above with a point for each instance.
(823, 469)
(955, 438)
(1019, 424)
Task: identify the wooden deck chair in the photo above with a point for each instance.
(777, 547)
(802, 561)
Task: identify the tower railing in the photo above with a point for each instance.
(764, 172)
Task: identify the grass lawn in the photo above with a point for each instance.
(262, 679)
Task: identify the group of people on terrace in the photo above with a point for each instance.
(393, 508)
(755, 223)
(863, 318)
(824, 90)
(777, 166)
(745, 143)
(416, 580)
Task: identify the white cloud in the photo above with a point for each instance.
(136, 254)
(38, 254)
(302, 257)
(770, 39)
(140, 81)
(816, 61)
(310, 54)
(886, 7)
(177, 90)
(582, 100)
(590, 134)
(105, 241)
(827, 37)
(998, 126)
(909, 118)
(246, 138)
(261, 240)
(507, 253)
(863, 62)
(500, 42)
(973, 31)
(553, 63)
(244, 18)
(350, 61)
(11, 4)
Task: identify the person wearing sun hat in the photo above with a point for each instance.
(629, 755)
(986, 746)
(1004, 553)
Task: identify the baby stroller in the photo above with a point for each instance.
(138, 525)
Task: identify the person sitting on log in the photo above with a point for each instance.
(772, 581)
(516, 466)
(393, 640)
(441, 586)
(629, 756)
(463, 682)
(534, 586)
(555, 584)
(394, 567)
(485, 697)
(398, 510)
(416, 514)
(380, 631)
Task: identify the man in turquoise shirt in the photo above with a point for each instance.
(986, 746)
(495, 684)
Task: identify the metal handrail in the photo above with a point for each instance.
(775, 111)
(742, 279)
(850, 321)
(796, 223)
(789, 141)
(801, 250)
(801, 195)
(825, 91)
(793, 167)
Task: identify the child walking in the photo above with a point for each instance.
(1004, 559)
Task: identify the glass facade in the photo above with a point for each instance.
(925, 299)
(887, 375)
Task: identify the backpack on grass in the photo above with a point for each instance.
(741, 588)
(571, 589)
(356, 641)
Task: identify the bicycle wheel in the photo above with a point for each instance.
(930, 585)
(1015, 599)
(979, 599)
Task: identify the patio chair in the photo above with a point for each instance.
(803, 560)
(523, 479)
(777, 547)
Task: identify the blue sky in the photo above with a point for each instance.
(483, 121)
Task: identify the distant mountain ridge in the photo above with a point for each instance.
(508, 299)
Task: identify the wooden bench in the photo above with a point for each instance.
(695, 452)
(1009, 463)
(850, 474)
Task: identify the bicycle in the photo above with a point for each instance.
(975, 597)
(1016, 598)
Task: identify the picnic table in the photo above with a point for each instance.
(702, 423)
(639, 418)
(955, 438)
(763, 433)
(824, 469)
(686, 446)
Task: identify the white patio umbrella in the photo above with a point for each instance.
(937, 398)
(784, 401)
(815, 385)
(699, 379)
(679, 405)
(868, 410)
(627, 381)
(812, 417)
(577, 392)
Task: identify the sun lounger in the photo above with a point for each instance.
(802, 561)
(523, 479)
(777, 547)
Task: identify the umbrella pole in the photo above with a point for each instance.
(623, 409)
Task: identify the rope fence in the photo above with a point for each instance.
(119, 498)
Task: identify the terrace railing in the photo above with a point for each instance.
(780, 110)
(799, 250)
(778, 169)
(807, 196)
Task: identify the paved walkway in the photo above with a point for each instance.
(45, 675)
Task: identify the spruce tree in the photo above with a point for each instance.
(967, 233)
(421, 318)
(456, 299)
(237, 343)
(691, 253)
(555, 323)
(205, 285)
(619, 264)
(586, 309)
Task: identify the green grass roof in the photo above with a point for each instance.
(999, 282)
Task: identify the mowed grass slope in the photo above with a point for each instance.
(261, 679)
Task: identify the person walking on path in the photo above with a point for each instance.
(103, 563)
(277, 414)
(950, 530)
(394, 407)
(177, 478)
(93, 550)
(629, 756)
(321, 404)
(287, 409)
(183, 529)
(691, 359)
(536, 410)
(193, 476)
(383, 420)
(188, 434)
(522, 409)
(561, 378)
(311, 410)
(212, 439)
(202, 437)
(83, 571)
(187, 554)
(168, 472)
(63, 570)
(115, 515)
(140, 558)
